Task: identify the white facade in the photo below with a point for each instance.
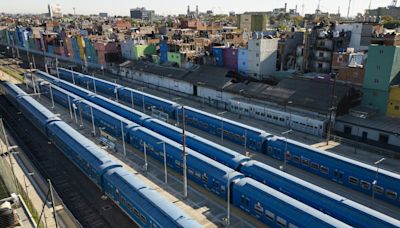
(356, 30)
(262, 56)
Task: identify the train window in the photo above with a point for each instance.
(269, 116)
(305, 162)
(281, 119)
(190, 171)
(353, 180)
(262, 114)
(280, 221)
(204, 178)
(314, 165)
(292, 226)
(143, 219)
(275, 118)
(324, 169)
(198, 175)
(378, 189)
(269, 215)
(269, 149)
(244, 201)
(258, 208)
(296, 159)
(365, 185)
(391, 194)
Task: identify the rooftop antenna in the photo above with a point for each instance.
(348, 9)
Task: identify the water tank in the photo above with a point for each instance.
(6, 215)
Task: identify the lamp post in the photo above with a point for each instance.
(228, 202)
(165, 162)
(177, 115)
(143, 106)
(375, 182)
(184, 154)
(286, 145)
(222, 125)
(145, 156)
(290, 113)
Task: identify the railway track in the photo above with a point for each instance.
(79, 194)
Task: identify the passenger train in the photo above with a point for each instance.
(119, 184)
(345, 171)
(145, 206)
(337, 206)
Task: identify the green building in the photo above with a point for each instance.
(382, 71)
(253, 22)
(142, 50)
(175, 57)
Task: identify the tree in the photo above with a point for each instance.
(392, 24)
(297, 20)
(386, 18)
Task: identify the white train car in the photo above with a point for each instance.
(314, 125)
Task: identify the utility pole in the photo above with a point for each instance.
(348, 10)
(184, 154)
(331, 108)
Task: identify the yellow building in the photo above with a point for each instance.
(394, 101)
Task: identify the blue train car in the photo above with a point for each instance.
(143, 204)
(70, 76)
(233, 131)
(276, 209)
(208, 148)
(12, 92)
(110, 122)
(60, 95)
(348, 172)
(119, 109)
(200, 169)
(102, 86)
(329, 203)
(36, 113)
(160, 104)
(92, 160)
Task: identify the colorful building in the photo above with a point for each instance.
(393, 109)
(382, 72)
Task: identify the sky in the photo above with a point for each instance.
(165, 7)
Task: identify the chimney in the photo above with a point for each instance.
(197, 10)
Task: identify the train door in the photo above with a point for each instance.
(338, 176)
(364, 136)
(194, 90)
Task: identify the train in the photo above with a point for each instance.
(122, 186)
(139, 201)
(335, 205)
(350, 173)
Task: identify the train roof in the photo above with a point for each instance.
(14, 88)
(237, 156)
(127, 182)
(261, 132)
(88, 151)
(257, 190)
(218, 167)
(174, 104)
(340, 157)
(340, 199)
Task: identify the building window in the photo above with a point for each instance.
(319, 65)
(376, 81)
(378, 67)
(257, 44)
(396, 108)
(383, 138)
(257, 64)
(321, 54)
(257, 55)
(381, 52)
